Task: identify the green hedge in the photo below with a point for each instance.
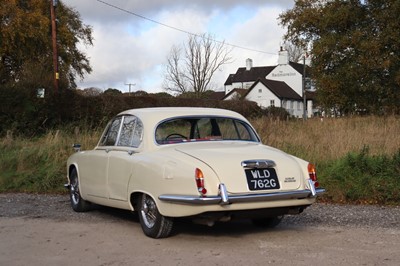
(22, 113)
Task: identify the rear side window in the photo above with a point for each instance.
(124, 131)
(131, 132)
(111, 134)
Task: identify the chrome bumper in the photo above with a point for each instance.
(223, 198)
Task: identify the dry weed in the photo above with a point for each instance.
(329, 139)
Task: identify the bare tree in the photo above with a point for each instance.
(190, 68)
(295, 52)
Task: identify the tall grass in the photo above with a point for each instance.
(330, 139)
(358, 158)
(38, 165)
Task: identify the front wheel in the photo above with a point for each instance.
(153, 223)
(77, 203)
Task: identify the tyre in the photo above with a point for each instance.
(78, 204)
(153, 223)
(269, 222)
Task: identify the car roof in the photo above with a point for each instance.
(161, 113)
(152, 116)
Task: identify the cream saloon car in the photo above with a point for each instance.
(203, 163)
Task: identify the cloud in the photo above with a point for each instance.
(129, 49)
(98, 10)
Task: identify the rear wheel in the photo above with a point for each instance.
(153, 223)
(77, 203)
(269, 222)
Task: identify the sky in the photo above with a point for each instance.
(129, 49)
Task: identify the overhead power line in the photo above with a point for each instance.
(181, 30)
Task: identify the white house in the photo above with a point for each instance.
(279, 86)
(266, 93)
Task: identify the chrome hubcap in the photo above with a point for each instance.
(75, 191)
(148, 211)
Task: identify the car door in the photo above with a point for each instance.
(97, 163)
(122, 158)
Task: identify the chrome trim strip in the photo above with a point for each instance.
(224, 198)
(252, 164)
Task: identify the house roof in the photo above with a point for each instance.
(243, 75)
(242, 92)
(279, 88)
(217, 95)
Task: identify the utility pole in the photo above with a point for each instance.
(304, 89)
(53, 4)
(130, 84)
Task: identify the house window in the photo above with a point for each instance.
(259, 90)
(284, 103)
(272, 103)
(291, 104)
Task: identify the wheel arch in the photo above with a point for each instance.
(70, 168)
(136, 196)
(135, 199)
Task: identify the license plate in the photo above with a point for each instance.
(262, 179)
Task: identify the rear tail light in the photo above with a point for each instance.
(313, 174)
(199, 177)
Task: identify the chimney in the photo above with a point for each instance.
(283, 57)
(249, 64)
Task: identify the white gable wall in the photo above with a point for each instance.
(289, 75)
(263, 96)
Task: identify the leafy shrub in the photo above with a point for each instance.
(360, 177)
(26, 115)
(276, 112)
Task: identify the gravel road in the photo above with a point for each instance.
(43, 230)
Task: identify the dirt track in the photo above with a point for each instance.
(43, 230)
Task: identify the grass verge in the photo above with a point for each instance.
(358, 159)
(39, 164)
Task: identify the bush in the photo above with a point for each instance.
(276, 112)
(360, 177)
(26, 115)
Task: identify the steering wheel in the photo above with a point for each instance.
(175, 136)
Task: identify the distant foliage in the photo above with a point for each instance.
(355, 52)
(111, 91)
(26, 47)
(22, 113)
(276, 112)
